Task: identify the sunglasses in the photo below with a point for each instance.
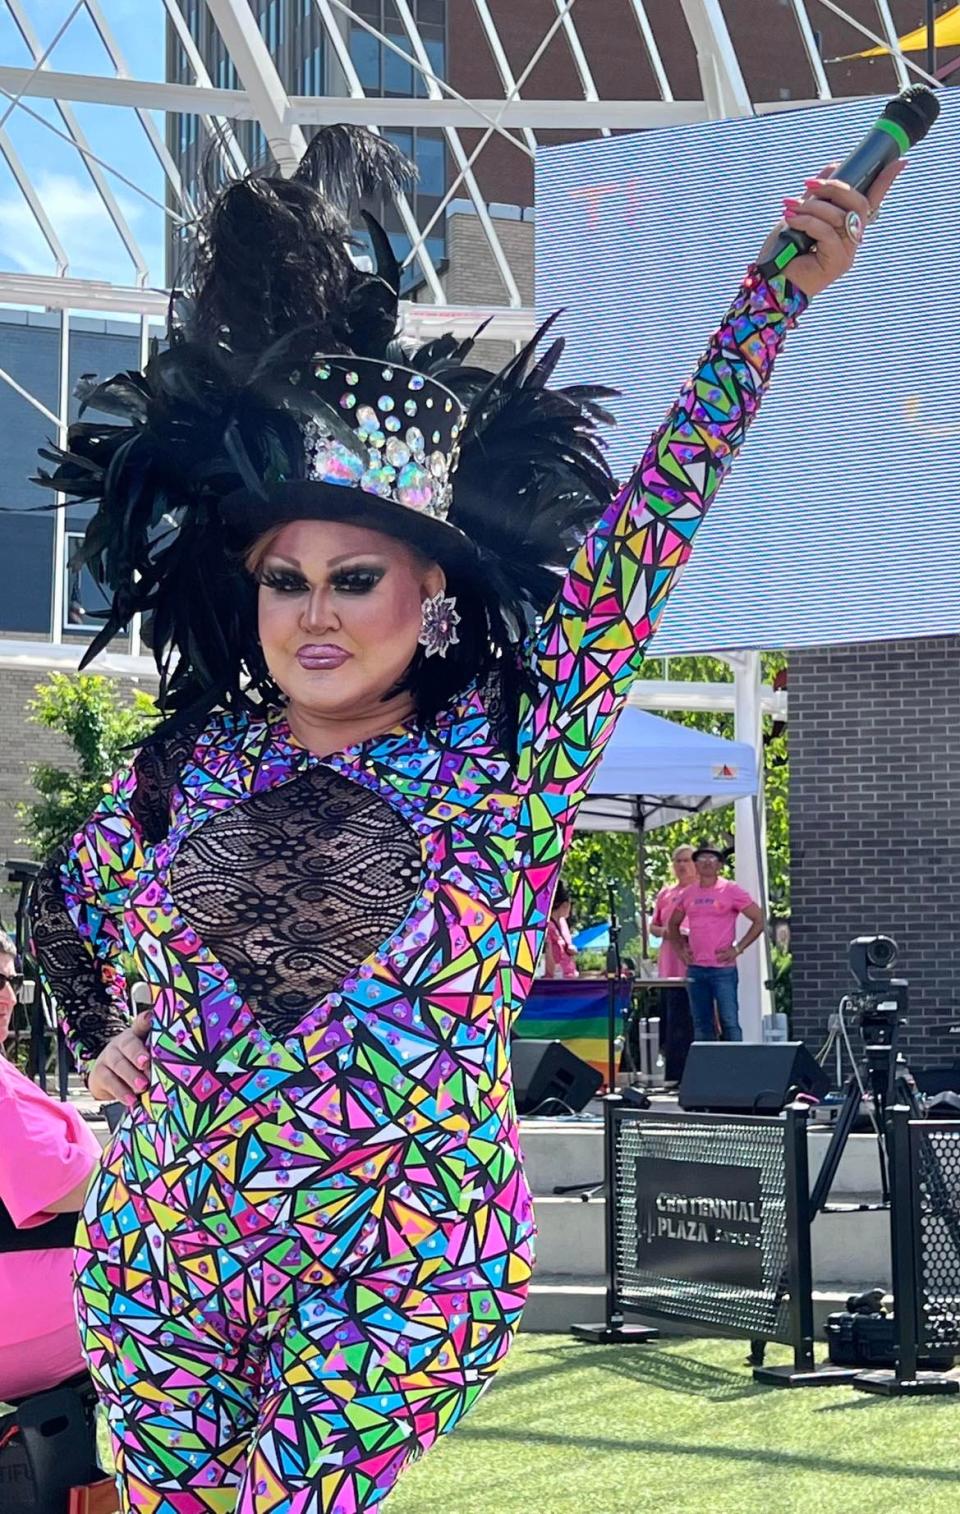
(12, 980)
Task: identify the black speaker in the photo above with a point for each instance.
(550, 1079)
(734, 1077)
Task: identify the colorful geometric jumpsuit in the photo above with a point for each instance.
(306, 1254)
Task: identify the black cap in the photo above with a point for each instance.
(706, 850)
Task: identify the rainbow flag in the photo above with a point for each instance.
(574, 1011)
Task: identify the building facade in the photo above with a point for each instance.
(874, 818)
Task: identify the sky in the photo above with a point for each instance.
(90, 240)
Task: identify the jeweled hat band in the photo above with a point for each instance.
(392, 432)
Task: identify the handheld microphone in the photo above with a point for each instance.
(905, 122)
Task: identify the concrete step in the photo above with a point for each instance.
(571, 1152)
(846, 1247)
(556, 1302)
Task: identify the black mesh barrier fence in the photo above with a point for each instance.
(935, 1163)
(703, 1212)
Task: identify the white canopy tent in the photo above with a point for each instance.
(655, 771)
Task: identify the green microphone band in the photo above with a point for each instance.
(896, 132)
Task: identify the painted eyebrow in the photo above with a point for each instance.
(335, 562)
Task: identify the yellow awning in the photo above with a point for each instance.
(946, 34)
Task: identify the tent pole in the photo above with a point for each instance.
(748, 725)
(764, 885)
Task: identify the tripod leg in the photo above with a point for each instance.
(846, 1120)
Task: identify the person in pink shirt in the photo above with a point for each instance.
(711, 908)
(676, 1028)
(560, 953)
(47, 1154)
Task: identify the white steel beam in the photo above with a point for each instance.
(218, 128)
(78, 138)
(59, 516)
(564, 7)
(34, 202)
(724, 90)
(153, 136)
(251, 58)
(455, 183)
(653, 51)
(47, 292)
(893, 42)
(359, 109)
(890, 41)
(460, 157)
(357, 94)
(809, 39)
(500, 58)
(344, 9)
(64, 657)
(707, 698)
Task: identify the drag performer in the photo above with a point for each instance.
(307, 1248)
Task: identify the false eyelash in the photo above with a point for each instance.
(290, 583)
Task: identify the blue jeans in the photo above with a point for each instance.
(709, 986)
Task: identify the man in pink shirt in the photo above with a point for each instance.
(675, 1024)
(47, 1154)
(711, 908)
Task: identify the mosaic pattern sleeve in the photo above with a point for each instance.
(76, 921)
(594, 635)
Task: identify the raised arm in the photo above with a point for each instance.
(593, 637)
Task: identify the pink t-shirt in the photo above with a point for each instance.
(561, 960)
(668, 963)
(712, 917)
(46, 1149)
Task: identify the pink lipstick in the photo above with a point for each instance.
(322, 658)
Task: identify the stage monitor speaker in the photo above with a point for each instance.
(550, 1079)
(733, 1077)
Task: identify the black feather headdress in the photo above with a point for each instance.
(251, 415)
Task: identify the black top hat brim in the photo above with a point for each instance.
(248, 514)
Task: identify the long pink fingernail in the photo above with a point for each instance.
(142, 1061)
(788, 201)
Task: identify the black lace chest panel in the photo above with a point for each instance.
(292, 889)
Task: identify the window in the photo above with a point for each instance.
(82, 597)
(365, 52)
(27, 560)
(431, 160)
(382, 72)
(313, 72)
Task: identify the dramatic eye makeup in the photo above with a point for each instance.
(347, 578)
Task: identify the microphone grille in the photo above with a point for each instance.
(914, 111)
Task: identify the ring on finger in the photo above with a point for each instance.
(853, 225)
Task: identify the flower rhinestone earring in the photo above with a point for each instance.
(439, 629)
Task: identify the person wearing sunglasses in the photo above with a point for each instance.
(47, 1154)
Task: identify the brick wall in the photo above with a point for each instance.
(874, 823)
(474, 279)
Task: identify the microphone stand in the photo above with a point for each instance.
(613, 984)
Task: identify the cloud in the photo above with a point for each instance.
(82, 223)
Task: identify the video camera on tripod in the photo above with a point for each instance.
(876, 1008)
(879, 1001)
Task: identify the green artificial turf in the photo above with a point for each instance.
(680, 1427)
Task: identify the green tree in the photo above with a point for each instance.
(100, 727)
(594, 858)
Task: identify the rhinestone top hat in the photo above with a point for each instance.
(386, 430)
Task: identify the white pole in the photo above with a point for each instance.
(751, 840)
